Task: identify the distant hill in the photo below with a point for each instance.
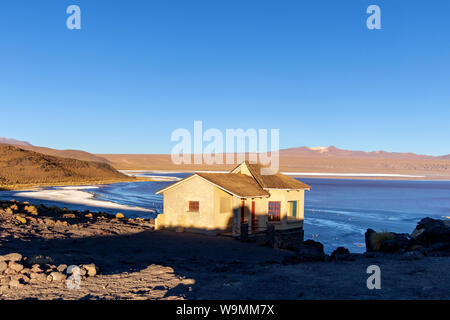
(332, 151)
(310, 160)
(73, 154)
(19, 166)
(14, 142)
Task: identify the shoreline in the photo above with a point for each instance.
(28, 186)
(315, 175)
(77, 196)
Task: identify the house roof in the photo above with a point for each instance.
(238, 184)
(273, 181)
(243, 185)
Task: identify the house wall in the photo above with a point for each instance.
(284, 196)
(262, 207)
(176, 212)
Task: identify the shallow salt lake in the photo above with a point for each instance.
(337, 211)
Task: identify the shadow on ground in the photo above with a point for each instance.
(192, 256)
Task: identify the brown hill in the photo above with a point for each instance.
(19, 166)
(72, 154)
(310, 160)
(14, 142)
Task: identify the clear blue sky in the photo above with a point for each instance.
(137, 70)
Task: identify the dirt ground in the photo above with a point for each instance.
(139, 263)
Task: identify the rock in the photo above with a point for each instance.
(57, 276)
(3, 266)
(399, 243)
(91, 269)
(9, 211)
(430, 230)
(38, 276)
(62, 267)
(89, 215)
(31, 210)
(119, 215)
(68, 216)
(37, 261)
(17, 267)
(11, 257)
(25, 271)
(309, 251)
(340, 253)
(14, 284)
(368, 239)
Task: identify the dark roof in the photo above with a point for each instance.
(238, 184)
(274, 181)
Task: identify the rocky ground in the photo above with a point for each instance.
(43, 249)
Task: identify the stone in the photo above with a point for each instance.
(38, 276)
(37, 261)
(399, 243)
(91, 269)
(368, 239)
(14, 284)
(310, 251)
(3, 266)
(31, 210)
(430, 230)
(11, 257)
(21, 219)
(340, 253)
(89, 215)
(17, 267)
(57, 276)
(119, 215)
(25, 271)
(62, 267)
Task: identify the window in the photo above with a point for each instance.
(193, 206)
(274, 210)
(292, 209)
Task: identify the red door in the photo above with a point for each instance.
(253, 217)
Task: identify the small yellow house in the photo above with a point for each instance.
(220, 202)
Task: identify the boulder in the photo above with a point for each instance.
(91, 269)
(368, 239)
(119, 215)
(57, 276)
(310, 251)
(14, 284)
(37, 261)
(3, 266)
(62, 267)
(400, 242)
(21, 219)
(430, 230)
(11, 257)
(17, 267)
(341, 253)
(38, 276)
